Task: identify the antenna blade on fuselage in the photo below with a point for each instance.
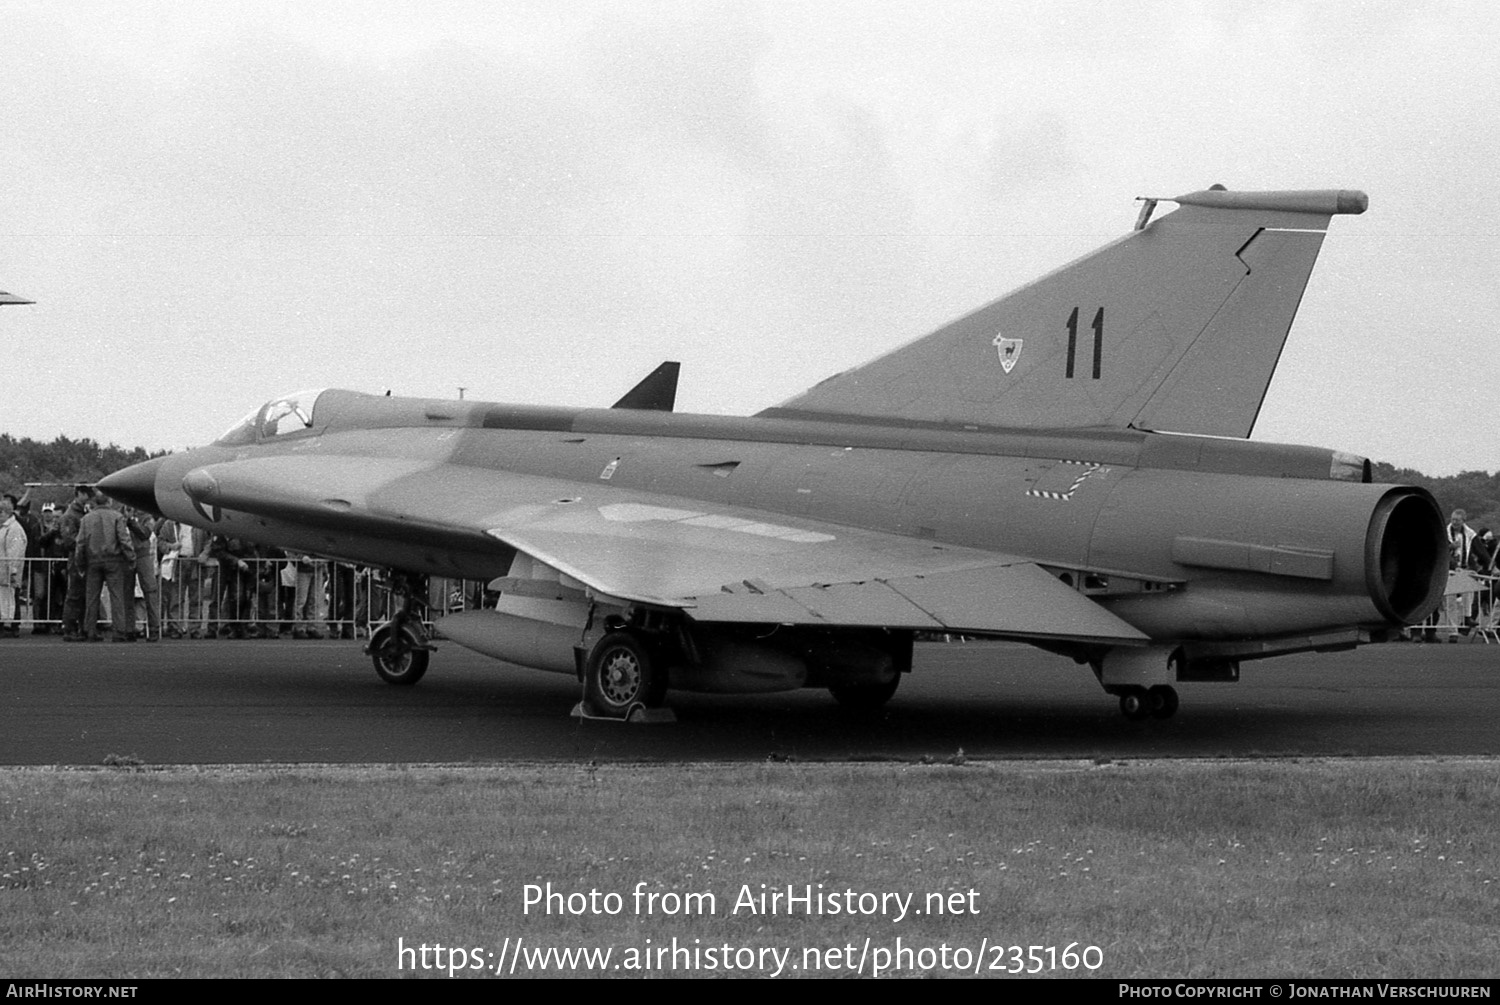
(656, 393)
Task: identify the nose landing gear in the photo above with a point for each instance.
(400, 648)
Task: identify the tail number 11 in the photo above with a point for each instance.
(1098, 326)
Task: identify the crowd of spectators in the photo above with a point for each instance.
(1469, 603)
(158, 578)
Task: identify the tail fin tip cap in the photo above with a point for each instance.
(1330, 202)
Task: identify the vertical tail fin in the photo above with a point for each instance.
(1176, 326)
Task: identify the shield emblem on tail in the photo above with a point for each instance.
(1010, 351)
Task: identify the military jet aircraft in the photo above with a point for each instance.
(1066, 466)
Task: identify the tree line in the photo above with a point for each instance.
(1475, 492)
(63, 460)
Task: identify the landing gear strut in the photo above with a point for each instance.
(400, 648)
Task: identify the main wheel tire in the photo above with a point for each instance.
(621, 674)
(865, 697)
(396, 657)
(1163, 701)
(1135, 704)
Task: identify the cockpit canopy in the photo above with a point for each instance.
(291, 413)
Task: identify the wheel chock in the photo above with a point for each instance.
(639, 715)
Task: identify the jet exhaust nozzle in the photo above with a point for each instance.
(1406, 552)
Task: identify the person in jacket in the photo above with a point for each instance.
(67, 543)
(107, 553)
(143, 572)
(12, 566)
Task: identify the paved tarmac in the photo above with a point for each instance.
(231, 702)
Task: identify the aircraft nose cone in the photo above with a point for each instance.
(135, 485)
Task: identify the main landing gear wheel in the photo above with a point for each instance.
(1159, 702)
(620, 674)
(1163, 701)
(1133, 704)
(400, 658)
(865, 697)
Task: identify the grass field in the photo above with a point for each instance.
(1170, 869)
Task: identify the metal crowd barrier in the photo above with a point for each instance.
(1469, 611)
(268, 596)
(279, 596)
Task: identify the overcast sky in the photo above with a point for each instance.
(216, 203)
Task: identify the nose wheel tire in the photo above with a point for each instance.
(399, 658)
(621, 674)
(399, 664)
